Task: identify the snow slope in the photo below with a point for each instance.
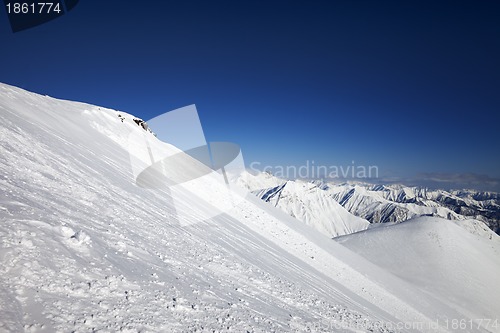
(312, 205)
(259, 181)
(439, 257)
(84, 249)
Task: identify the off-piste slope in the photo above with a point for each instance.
(84, 249)
(457, 261)
(312, 205)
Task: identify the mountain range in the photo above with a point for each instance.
(372, 203)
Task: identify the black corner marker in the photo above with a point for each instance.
(25, 14)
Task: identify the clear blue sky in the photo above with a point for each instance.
(410, 86)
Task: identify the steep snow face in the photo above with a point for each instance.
(310, 204)
(438, 257)
(83, 248)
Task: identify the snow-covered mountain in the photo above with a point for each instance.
(397, 203)
(381, 206)
(375, 203)
(307, 202)
(84, 249)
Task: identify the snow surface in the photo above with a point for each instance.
(377, 206)
(84, 249)
(259, 181)
(440, 257)
(314, 206)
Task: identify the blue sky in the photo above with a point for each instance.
(410, 86)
